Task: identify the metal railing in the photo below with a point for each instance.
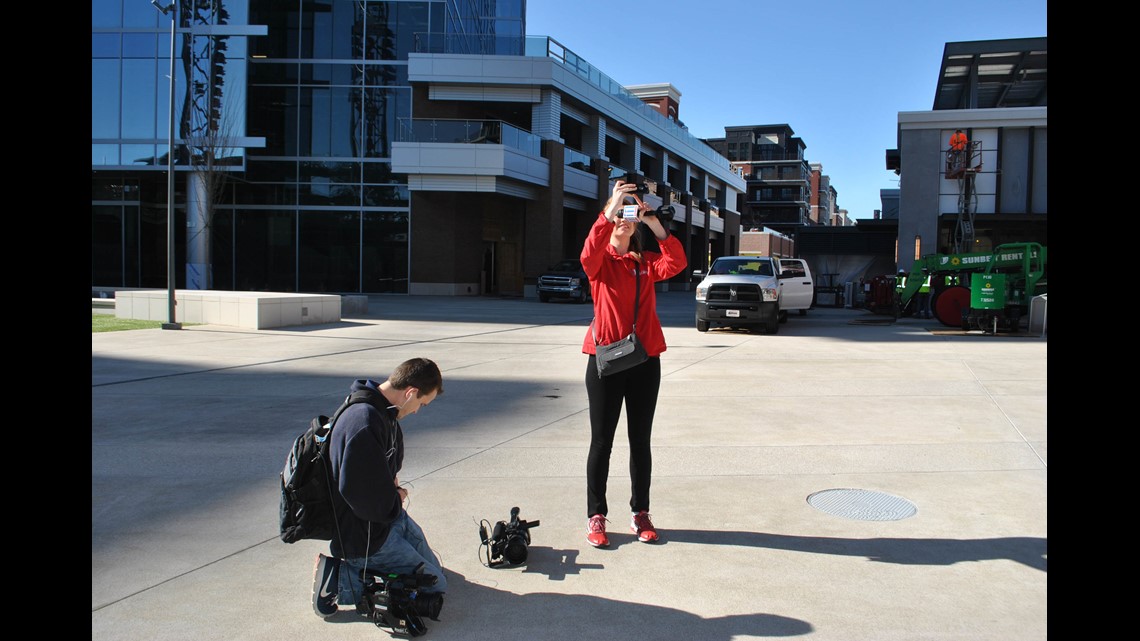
(469, 132)
(544, 46)
(577, 160)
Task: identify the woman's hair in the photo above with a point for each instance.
(635, 244)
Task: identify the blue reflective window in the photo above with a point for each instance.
(104, 154)
(107, 244)
(137, 13)
(271, 171)
(109, 13)
(281, 39)
(326, 194)
(384, 252)
(329, 251)
(105, 99)
(143, 155)
(105, 45)
(509, 8)
(329, 171)
(435, 21)
(413, 18)
(142, 45)
(384, 107)
(328, 74)
(239, 11)
(272, 73)
(331, 121)
(139, 98)
(332, 33)
(384, 74)
(265, 250)
(385, 196)
(380, 172)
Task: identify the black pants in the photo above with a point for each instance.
(637, 388)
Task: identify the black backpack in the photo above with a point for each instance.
(307, 510)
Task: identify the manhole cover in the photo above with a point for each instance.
(863, 505)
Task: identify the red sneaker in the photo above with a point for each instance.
(643, 527)
(596, 531)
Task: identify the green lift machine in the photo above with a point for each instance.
(982, 291)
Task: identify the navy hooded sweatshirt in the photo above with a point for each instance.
(366, 451)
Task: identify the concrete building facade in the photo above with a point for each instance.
(377, 146)
(997, 191)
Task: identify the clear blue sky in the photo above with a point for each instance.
(838, 72)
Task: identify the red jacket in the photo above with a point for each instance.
(612, 286)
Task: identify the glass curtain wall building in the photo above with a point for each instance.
(282, 141)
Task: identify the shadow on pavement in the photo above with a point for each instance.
(473, 611)
(1029, 551)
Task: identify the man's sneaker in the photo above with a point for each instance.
(325, 589)
(643, 527)
(596, 531)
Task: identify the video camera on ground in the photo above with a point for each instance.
(395, 601)
(508, 542)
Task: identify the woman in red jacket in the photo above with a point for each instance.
(611, 254)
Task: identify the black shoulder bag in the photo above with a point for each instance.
(628, 352)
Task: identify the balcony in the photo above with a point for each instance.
(770, 201)
(543, 46)
(780, 181)
(577, 160)
(468, 155)
(495, 132)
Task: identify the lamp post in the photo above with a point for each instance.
(171, 322)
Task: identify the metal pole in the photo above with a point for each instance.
(171, 322)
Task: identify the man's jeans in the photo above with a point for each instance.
(405, 549)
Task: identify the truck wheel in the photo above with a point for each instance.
(772, 325)
(782, 316)
(702, 325)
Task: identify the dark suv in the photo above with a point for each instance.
(564, 280)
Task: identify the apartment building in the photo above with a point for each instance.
(824, 209)
(779, 189)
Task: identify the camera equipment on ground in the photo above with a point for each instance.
(396, 602)
(508, 542)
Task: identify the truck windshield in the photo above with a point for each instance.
(740, 267)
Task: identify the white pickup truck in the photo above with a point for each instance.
(749, 291)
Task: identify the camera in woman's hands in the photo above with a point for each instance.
(640, 181)
(629, 212)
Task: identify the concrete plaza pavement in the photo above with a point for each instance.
(190, 429)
